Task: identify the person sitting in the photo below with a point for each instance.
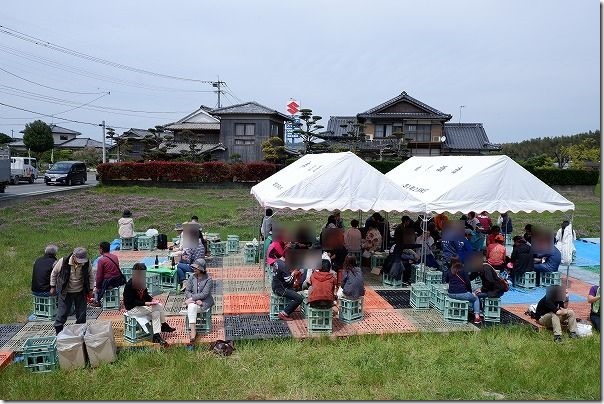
(198, 294)
(126, 225)
(276, 248)
(373, 239)
(492, 285)
(267, 223)
(528, 233)
(493, 232)
(40, 277)
(472, 221)
(108, 273)
(551, 312)
(496, 253)
(521, 258)
(353, 286)
(190, 237)
(460, 288)
(406, 222)
(352, 237)
(138, 303)
(485, 221)
(594, 299)
(331, 222)
(440, 220)
(338, 216)
(189, 256)
(177, 243)
(323, 287)
(282, 285)
(550, 262)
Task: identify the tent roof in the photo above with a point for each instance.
(476, 183)
(329, 181)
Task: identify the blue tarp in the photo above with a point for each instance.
(518, 296)
(588, 253)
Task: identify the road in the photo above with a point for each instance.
(25, 190)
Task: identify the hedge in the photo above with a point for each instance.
(385, 165)
(566, 177)
(167, 171)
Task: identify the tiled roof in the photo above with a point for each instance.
(178, 148)
(62, 130)
(333, 125)
(193, 126)
(134, 133)
(252, 108)
(80, 143)
(198, 120)
(430, 113)
(467, 136)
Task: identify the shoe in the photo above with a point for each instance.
(477, 320)
(283, 316)
(557, 338)
(165, 327)
(184, 286)
(157, 339)
(95, 304)
(573, 335)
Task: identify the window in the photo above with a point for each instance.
(379, 131)
(245, 129)
(419, 133)
(63, 137)
(241, 142)
(274, 129)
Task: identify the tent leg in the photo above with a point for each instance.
(568, 265)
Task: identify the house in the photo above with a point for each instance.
(64, 139)
(426, 130)
(131, 144)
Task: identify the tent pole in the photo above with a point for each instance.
(572, 217)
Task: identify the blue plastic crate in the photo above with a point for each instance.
(133, 332)
(550, 278)
(40, 354)
(420, 296)
(127, 271)
(45, 307)
(203, 324)
(527, 280)
(127, 243)
(456, 311)
(212, 236)
(350, 310)
(388, 281)
(492, 310)
(319, 320)
(111, 299)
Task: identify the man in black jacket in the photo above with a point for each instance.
(139, 303)
(521, 258)
(282, 285)
(40, 277)
(551, 312)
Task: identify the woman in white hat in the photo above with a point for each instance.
(198, 293)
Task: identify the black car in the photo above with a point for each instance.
(66, 173)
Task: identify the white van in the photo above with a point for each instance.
(23, 169)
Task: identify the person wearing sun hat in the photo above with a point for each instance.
(72, 279)
(198, 293)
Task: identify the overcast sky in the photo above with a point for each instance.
(522, 68)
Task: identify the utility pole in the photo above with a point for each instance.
(217, 85)
(104, 152)
(460, 107)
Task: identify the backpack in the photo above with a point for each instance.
(162, 242)
(532, 311)
(224, 348)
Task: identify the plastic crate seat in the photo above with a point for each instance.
(133, 332)
(144, 243)
(388, 281)
(212, 236)
(433, 277)
(45, 307)
(232, 243)
(203, 324)
(350, 310)
(420, 296)
(250, 251)
(40, 354)
(319, 320)
(111, 299)
(456, 311)
(218, 248)
(153, 284)
(527, 280)
(492, 310)
(549, 278)
(377, 259)
(437, 298)
(277, 305)
(127, 243)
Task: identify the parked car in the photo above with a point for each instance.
(66, 173)
(23, 169)
(5, 175)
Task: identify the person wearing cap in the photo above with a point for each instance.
(40, 278)
(338, 217)
(178, 229)
(496, 253)
(198, 294)
(139, 303)
(126, 225)
(72, 279)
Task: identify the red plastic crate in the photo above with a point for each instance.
(5, 359)
(248, 303)
(383, 322)
(243, 273)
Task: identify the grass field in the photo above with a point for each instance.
(510, 363)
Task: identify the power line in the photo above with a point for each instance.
(49, 87)
(37, 41)
(83, 105)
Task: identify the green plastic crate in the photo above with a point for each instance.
(277, 305)
(218, 248)
(418, 273)
(492, 310)
(144, 243)
(475, 284)
(212, 236)
(377, 260)
(169, 282)
(153, 286)
(456, 311)
(319, 320)
(40, 354)
(127, 271)
(232, 244)
(133, 332)
(388, 281)
(203, 324)
(550, 278)
(437, 298)
(111, 299)
(433, 277)
(250, 251)
(350, 311)
(45, 307)
(127, 243)
(420, 296)
(528, 280)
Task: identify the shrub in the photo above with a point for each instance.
(253, 171)
(566, 177)
(385, 165)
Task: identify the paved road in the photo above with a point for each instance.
(25, 190)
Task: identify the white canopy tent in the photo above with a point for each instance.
(331, 181)
(476, 183)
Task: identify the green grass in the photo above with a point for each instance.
(510, 363)
(504, 363)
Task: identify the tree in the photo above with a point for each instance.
(354, 134)
(308, 128)
(561, 155)
(37, 137)
(4, 138)
(586, 151)
(115, 139)
(235, 158)
(193, 154)
(273, 149)
(157, 143)
(89, 155)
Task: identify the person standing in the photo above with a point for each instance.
(108, 273)
(72, 280)
(40, 278)
(267, 223)
(594, 300)
(353, 237)
(505, 223)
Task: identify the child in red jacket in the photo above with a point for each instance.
(323, 286)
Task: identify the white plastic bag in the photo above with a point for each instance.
(584, 330)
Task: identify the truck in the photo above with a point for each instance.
(23, 169)
(5, 174)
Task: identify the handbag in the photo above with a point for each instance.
(122, 277)
(224, 348)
